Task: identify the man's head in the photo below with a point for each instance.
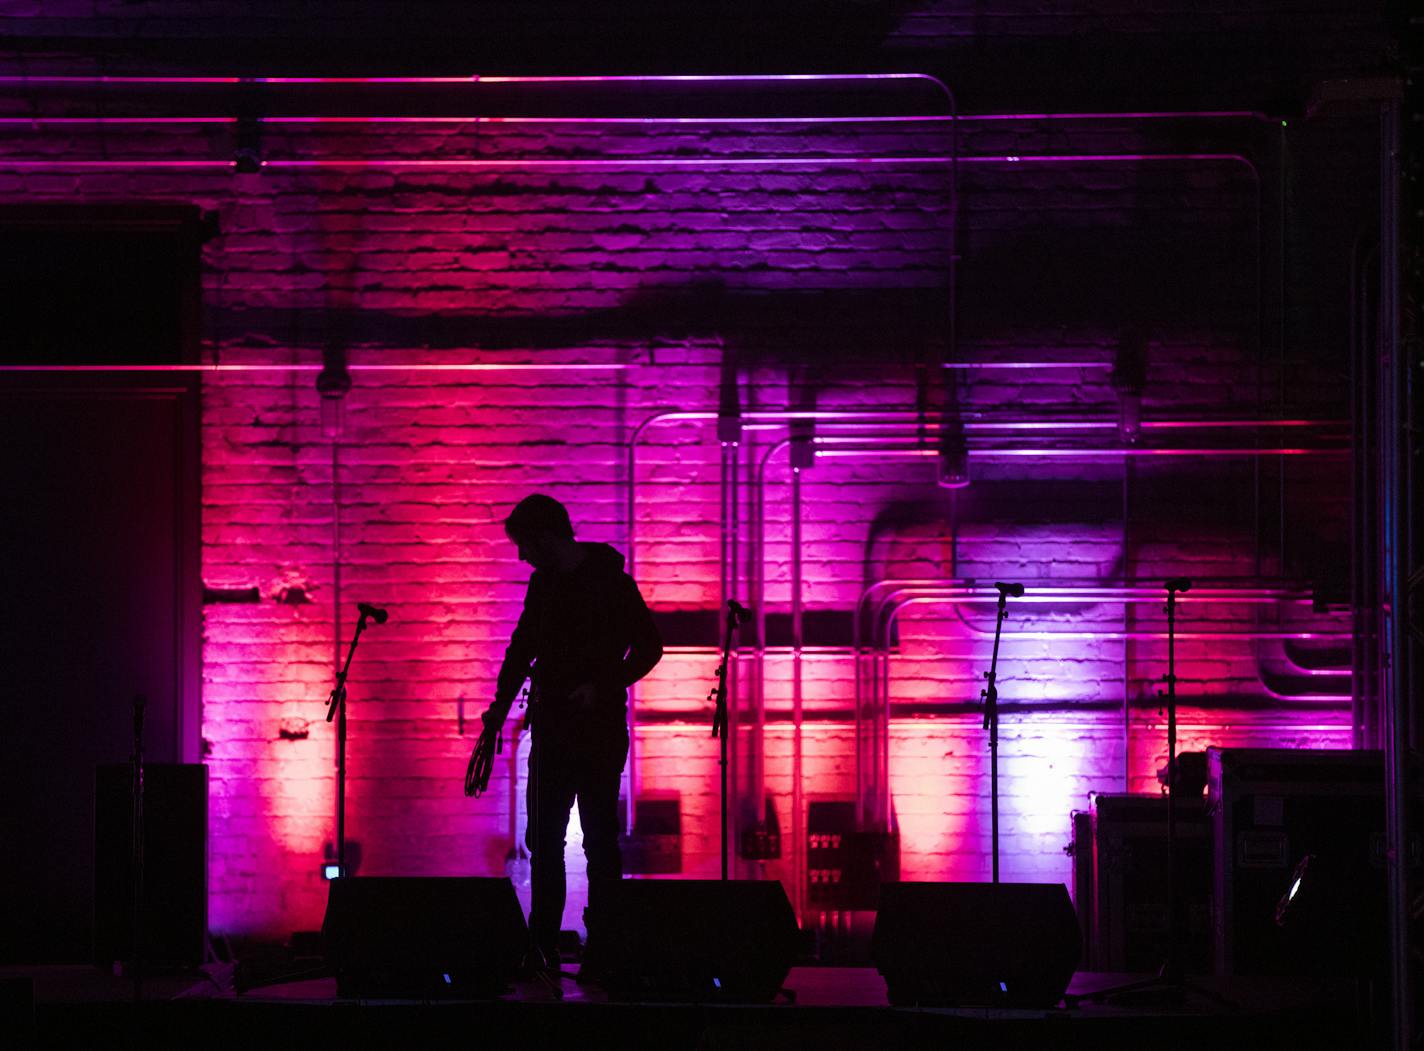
(539, 526)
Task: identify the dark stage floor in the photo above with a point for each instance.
(836, 1007)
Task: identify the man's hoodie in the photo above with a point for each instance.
(587, 626)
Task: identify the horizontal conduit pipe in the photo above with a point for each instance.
(1080, 454)
(828, 416)
(891, 418)
(882, 681)
(1052, 713)
(881, 593)
(978, 632)
(40, 123)
(625, 163)
(1326, 698)
(279, 368)
(1087, 635)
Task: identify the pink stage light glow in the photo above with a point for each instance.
(434, 456)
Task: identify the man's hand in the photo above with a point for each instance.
(490, 743)
(583, 696)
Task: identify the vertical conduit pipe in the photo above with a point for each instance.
(729, 822)
(1394, 452)
(339, 758)
(734, 697)
(758, 601)
(1357, 721)
(1362, 602)
(1129, 622)
(798, 836)
(1281, 258)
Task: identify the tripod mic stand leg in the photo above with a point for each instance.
(1171, 981)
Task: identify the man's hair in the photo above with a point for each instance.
(539, 513)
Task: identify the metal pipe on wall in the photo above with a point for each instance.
(1060, 636)
(630, 513)
(866, 655)
(604, 164)
(941, 591)
(1394, 439)
(1364, 598)
(879, 706)
(1127, 625)
(889, 607)
(734, 697)
(264, 367)
(797, 643)
(1044, 453)
(758, 599)
(877, 748)
(728, 817)
(882, 724)
(1256, 635)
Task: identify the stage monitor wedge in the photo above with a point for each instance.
(976, 944)
(423, 937)
(699, 940)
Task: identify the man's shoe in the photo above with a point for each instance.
(591, 973)
(593, 964)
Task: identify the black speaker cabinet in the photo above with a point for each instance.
(976, 944)
(174, 912)
(1270, 808)
(1129, 889)
(423, 937)
(699, 940)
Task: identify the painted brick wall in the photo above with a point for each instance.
(631, 291)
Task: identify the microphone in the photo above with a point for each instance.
(740, 613)
(1011, 590)
(1182, 584)
(368, 610)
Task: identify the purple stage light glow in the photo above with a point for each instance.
(408, 498)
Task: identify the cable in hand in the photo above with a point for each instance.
(490, 744)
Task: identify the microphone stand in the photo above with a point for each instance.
(137, 847)
(1172, 965)
(735, 616)
(336, 703)
(990, 696)
(1171, 980)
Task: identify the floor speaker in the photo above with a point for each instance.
(699, 940)
(975, 944)
(423, 937)
(175, 864)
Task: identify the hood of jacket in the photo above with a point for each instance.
(604, 558)
(599, 559)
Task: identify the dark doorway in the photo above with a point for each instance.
(99, 547)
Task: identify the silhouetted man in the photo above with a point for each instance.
(589, 636)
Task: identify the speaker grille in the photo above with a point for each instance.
(951, 944)
(699, 940)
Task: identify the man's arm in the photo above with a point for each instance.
(518, 657)
(645, 644)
